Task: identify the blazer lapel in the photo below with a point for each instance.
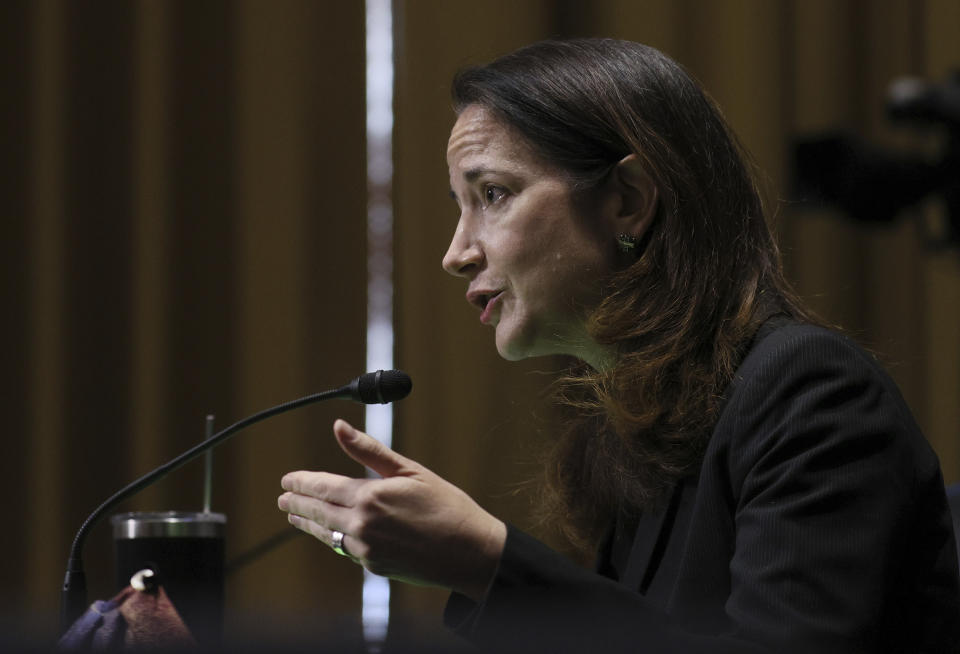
(649, 543)
(603, 564)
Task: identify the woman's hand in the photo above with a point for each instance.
(410, 525)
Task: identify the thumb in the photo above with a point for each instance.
(368, 451)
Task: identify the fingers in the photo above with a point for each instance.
(332, 516)
(320, 503)
(370, 452)
(320, 519)
(324, 534)
(325, 486)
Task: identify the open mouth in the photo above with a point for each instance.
(487, 302)
(484, 299)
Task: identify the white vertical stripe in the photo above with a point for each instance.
(378, 420)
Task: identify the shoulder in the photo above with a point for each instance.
(814, 462)
(807, 367)
(801, 349)
(810, 397)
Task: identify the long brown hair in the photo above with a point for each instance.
(680, 316)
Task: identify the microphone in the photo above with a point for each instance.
(380, 387)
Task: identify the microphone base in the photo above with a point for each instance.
(73, 598)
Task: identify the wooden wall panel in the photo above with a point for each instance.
(300, 290)
(941, 270)
(43, 273)
(194, 191)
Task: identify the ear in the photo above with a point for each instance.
(637, 196)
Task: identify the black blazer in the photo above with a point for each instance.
(817, 523)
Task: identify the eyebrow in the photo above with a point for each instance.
(471, 176)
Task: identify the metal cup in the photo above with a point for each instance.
(186, 551)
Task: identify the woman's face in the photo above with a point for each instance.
(534, 259)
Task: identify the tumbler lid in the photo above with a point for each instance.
(168, 524)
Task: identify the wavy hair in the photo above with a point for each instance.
(681, 315)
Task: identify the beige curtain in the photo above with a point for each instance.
(184, 233)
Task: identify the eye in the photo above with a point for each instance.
(493, 194)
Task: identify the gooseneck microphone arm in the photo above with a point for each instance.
(381, 387)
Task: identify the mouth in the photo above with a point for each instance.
(486, 301)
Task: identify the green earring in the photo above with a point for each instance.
(626, 242)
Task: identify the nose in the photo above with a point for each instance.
(464, 256)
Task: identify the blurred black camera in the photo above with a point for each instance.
(873, 184)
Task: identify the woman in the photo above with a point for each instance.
(749, 480)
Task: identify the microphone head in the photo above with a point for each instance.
(381, 387)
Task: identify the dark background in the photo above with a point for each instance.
(184, 207)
